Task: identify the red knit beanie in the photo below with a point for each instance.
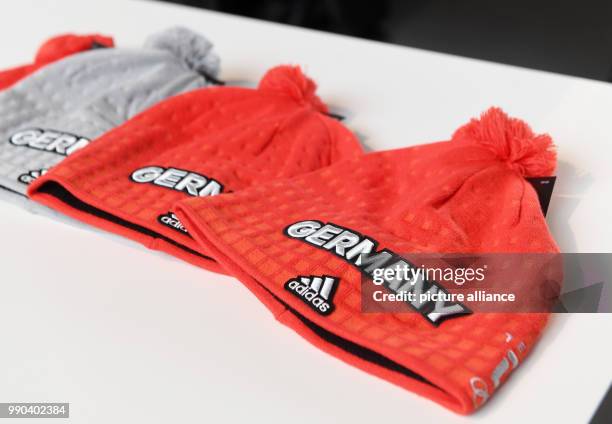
(54, 49)
(303, 245)
(203, 143)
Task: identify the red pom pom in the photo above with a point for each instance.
(291, 81)
(512, 141)
(62, 45)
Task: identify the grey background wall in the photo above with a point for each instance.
(569, 37)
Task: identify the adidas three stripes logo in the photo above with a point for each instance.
(316, 291)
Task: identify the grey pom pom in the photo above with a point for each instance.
(194, 49)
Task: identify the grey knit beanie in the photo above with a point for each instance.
(60, 108)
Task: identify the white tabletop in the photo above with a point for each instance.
(129, 335)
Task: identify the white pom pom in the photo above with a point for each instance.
(194, 49)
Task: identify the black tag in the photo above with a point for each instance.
(544, 187)
(96, 45)
(336, 116)
(211, 79)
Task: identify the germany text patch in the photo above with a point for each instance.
(364, 254)
(177, 179)
(59, 142)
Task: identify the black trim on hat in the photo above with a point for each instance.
(56, 190)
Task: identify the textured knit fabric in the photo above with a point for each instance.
(201, 144)
(466, 195)
(58, 110)
(55, 48)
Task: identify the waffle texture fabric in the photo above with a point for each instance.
(302, 246)
(54, 49)
(200, 144)
(61, 108)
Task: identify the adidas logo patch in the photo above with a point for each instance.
(316, 292)
(171, 220)
(30, 176)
